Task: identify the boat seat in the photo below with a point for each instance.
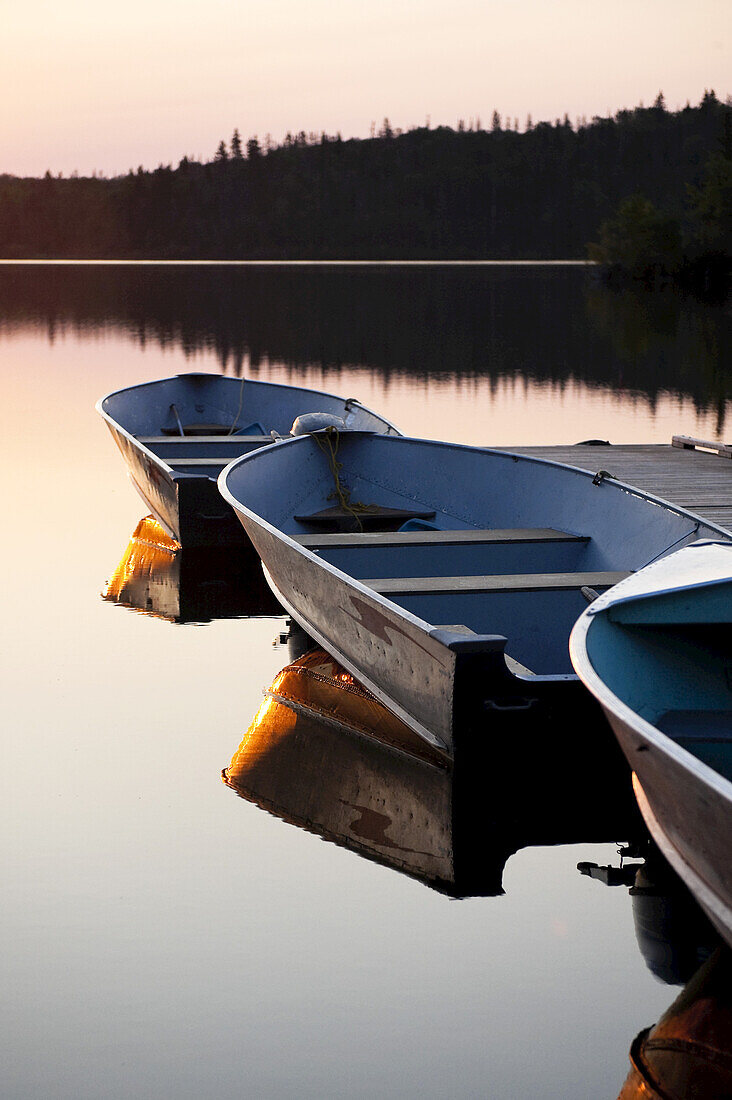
(153, 439)
(193, 430)
(501, 582)
(486, 535)
(203, 462)
(341, 520)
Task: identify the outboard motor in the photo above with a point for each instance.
(316, 422)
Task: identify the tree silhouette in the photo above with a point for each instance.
(711, 205)
(640, 239)
(427, 193)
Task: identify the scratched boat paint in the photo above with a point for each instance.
(166, 938)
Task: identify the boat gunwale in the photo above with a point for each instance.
(515, 456)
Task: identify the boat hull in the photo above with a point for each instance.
(688, 819)
(187, 506)
(175, 434)
(654, 652)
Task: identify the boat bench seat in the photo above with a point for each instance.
(353, 521)
(151, 440)
(500, 582)
(219, 461)
(488, 535)
(201, 429)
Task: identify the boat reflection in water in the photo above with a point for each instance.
(158, 577)
(688, 1053)
(323, 754)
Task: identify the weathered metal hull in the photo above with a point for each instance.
(447, 687)
(188, 506)
(415, 671)
(687, 817)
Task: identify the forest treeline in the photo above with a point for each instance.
(432, 193)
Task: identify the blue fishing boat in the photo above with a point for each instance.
(445, 578)
(655, 652)
(176, 434)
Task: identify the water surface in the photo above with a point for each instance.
(166, 938)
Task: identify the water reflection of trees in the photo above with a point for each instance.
(546, 324)
(671, 336)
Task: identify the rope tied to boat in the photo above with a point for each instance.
(328, 442)
(238, 411)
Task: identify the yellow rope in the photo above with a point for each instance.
(241, 402)
(328, 441)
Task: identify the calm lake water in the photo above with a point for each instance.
(166, 938)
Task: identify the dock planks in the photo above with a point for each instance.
(693, 479)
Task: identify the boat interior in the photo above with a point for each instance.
(526, 577)
(198, 423)
(670, 664)
(460, 536)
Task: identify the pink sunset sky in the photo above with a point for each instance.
(88, 86)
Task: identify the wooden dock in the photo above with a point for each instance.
(690, 478)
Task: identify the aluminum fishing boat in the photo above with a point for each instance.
(445, 578)
(176, 434)
(656, 653)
